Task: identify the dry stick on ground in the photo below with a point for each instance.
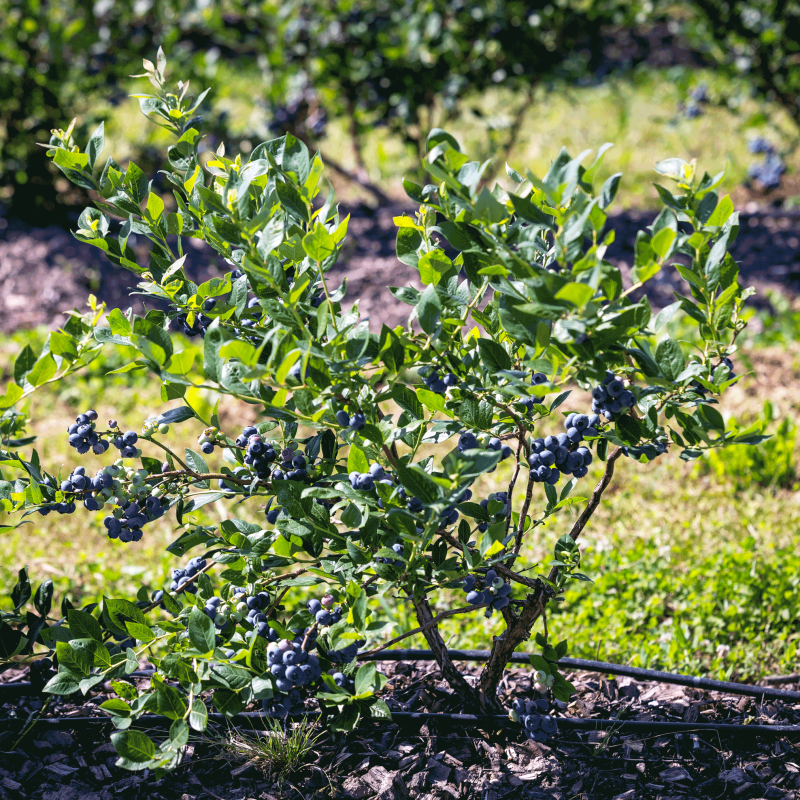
(504, 646)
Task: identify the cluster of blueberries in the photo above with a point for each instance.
(496, 592)
(80, 484)
(291, 665)
(261, 455)
(83, 437)
(538, 725)
(469, 441)
(181, 575)
(503, 498)
(258, 454)
(611, 397)
(437, 384)
(353, 421)
(346, 654)
(554, 456)
(365, 481)
(395, 562)
(323, 611)
(700, 389)
(281, 705)
(769, 171)
(125, 443)
(537, 379)
(133, 516)
(198, 327)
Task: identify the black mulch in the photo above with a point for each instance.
(391, 762)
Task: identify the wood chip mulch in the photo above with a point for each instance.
(384, 761)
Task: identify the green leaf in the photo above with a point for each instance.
(24, 363)
(133, 745)
(83, 625)
(432, 265)
(169, 701)
(418, 483)
(62, 683)
(670, 358)
(429, 310)
(201, 631)
(366, 679)
(42, 370)
(494, 355)
(122, 611)
(198, 716)
(227, 702)
(579, 294)
(196, 461)
(629, 429)
(12, 395)
(319, 244)
(140, 632)
(357, 460)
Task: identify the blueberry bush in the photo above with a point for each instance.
(362, 475)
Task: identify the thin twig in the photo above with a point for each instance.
(451, 613)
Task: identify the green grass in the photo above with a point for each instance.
(684, 559)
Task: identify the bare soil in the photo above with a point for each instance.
(45, 272)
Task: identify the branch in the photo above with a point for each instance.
(429, 624)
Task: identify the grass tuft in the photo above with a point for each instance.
(278, 753)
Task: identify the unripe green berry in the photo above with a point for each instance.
(163, 428)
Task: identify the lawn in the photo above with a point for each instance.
(694, 565)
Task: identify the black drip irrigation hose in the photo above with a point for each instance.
(602, 667)
(10, 691)
(258, 721)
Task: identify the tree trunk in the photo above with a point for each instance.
(450, 673)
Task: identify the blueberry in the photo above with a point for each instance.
(66, 486)
(207, 448)
(574, 461)
(343, 418)
(130, 438)
(581, 422)
(127, 452)
(574, 435)
(547, 457)
(599, 394)
(358, 421)
(626, 399)
(614, 388)
(450, 379)
(538, 378)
